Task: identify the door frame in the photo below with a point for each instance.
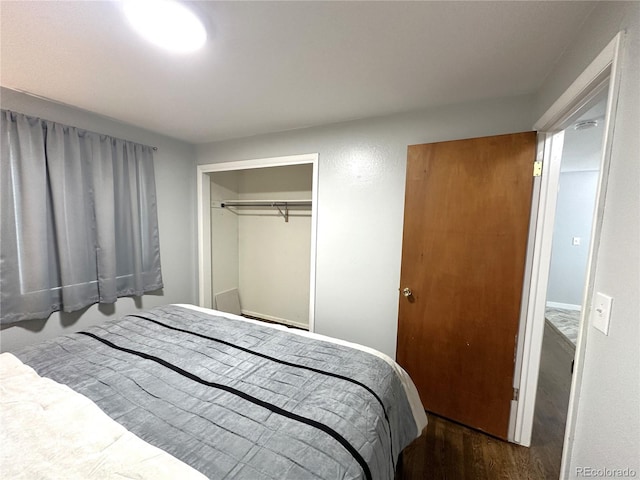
(603, 72)
(205, 296)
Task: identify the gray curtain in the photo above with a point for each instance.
(79, 221)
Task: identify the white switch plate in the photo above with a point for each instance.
(602, 312)
(575, 241)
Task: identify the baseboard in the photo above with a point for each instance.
(566, 306)
(275, 319)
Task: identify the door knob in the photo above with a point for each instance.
(406, 292)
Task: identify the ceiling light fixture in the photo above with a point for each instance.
(166, 23)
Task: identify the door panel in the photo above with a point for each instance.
(467, 210)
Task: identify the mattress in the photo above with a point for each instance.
(238, 399)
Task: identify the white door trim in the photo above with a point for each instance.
(603, 71)
(204, 219)
(540, 256)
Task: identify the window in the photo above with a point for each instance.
(79, 220)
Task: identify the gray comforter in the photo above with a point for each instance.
(236, 400)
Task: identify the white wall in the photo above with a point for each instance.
(608, 417)
(224, 233)
(574, 217)
(361, 202)
(275, 255)
(175, 184)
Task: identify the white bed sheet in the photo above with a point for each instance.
(49, 431)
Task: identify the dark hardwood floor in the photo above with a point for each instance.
(451, 451)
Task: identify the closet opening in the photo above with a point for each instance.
(257, 238)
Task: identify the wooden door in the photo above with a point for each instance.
(466, 221)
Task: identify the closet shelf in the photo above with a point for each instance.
(278, 204)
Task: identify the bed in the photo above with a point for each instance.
(185, 392)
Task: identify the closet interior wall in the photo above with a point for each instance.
(255, 250)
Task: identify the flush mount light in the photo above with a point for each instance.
(166, 23)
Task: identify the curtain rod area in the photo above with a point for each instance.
(154, 148)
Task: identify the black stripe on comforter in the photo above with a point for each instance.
(251, 425)
(283, 362)
(244, 396)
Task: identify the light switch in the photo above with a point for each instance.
(602, 312)
(575, 241)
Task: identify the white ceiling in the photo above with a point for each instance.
(273, 66)
(582, 149)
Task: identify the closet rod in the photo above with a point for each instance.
(280, 203)
(272, 204)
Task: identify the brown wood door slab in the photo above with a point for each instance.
(466, 221)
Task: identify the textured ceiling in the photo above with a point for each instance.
(273, 66)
